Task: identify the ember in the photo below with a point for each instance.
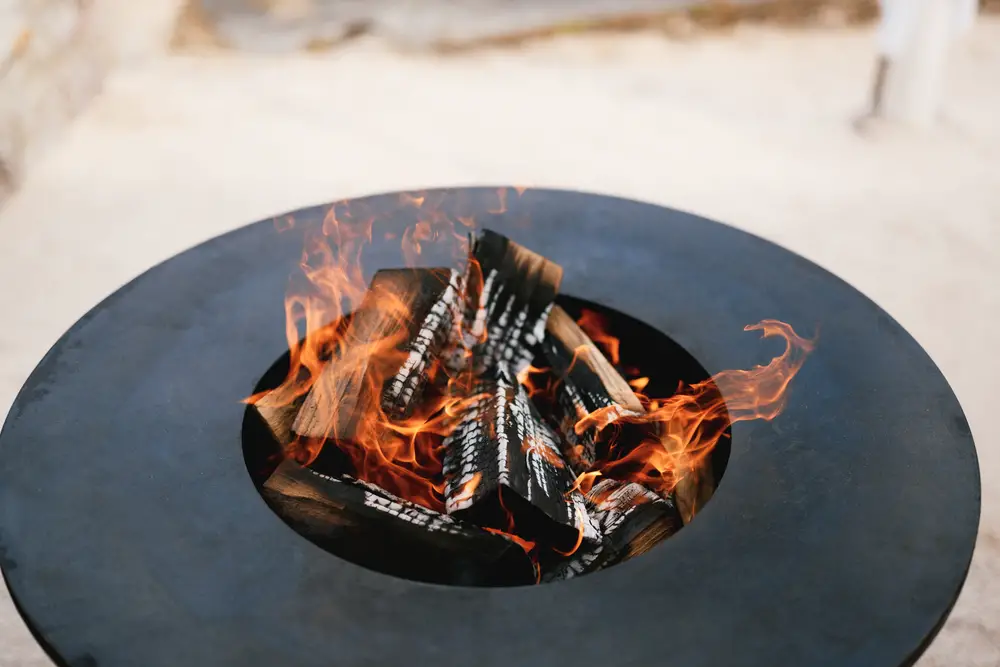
(460, 416)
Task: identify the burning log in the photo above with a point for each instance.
(509, 293)
(390, 345)
(632, 520)
(587, 382)
(278, 416)
(364, 524)
(694, 489)
(502, 461)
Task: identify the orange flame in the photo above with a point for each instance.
(468, 489)
(691, 422)
(639, 383)
(339, 369)
(533, 446)
(401, 456)
(527, 545)
(595, 325)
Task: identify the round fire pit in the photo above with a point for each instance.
(132, 534)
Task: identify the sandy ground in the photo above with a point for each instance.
(750, 128)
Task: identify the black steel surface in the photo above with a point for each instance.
(131, 533)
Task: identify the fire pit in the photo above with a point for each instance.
(132, 533)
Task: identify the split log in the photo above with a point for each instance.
(278, 415)
(409, 312)
(502, 463)
(509, 292)
(632, 520)
(368, 526)
(587, 381)
(694, 488)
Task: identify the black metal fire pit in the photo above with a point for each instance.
(132, 534)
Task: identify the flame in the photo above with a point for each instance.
(595, 325)
(532, 446)
(527, 545)
(692, 421)
(530, 380)
(579, 537)
(402, 456)
(639, 383)
(468, 489)
(585, 481)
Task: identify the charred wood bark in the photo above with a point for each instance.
(587, 382)
(509, 292)
(411, 310)
(632, 520)
(368, 526)
(502, 463)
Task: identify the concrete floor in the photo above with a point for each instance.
(751, 128)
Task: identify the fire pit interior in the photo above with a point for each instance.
(460, 425)
(649, 359)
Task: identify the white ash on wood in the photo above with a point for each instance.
(632, 520)
(404, 320)
(509, 292)
(363, 523)
(503, 453)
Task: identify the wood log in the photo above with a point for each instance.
(368, 526)
(695, 487)
(502, 463)
(507, 300)
(632, 520)
(278, 416)
(412, 310)
(587, 381)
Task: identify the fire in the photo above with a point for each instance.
(595, 325)
(404, 456)
(692, 421)
(639, 383)
(528, 376)
(533, 447)
(401, 456)
(468, 489)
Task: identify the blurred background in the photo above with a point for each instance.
(133, 129)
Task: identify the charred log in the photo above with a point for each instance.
(502, 464)
(632, 520)
(364, 524)
(408, 311)
(586, 382)
(509, 292)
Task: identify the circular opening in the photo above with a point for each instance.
(405, 546)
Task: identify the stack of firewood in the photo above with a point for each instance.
(514, 507)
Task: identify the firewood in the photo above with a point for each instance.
(695, 487)
(411, 308)
(279, 416)
(632, 520)
(503, 459)
(507, 300)
(368, 526)
(587, 381)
